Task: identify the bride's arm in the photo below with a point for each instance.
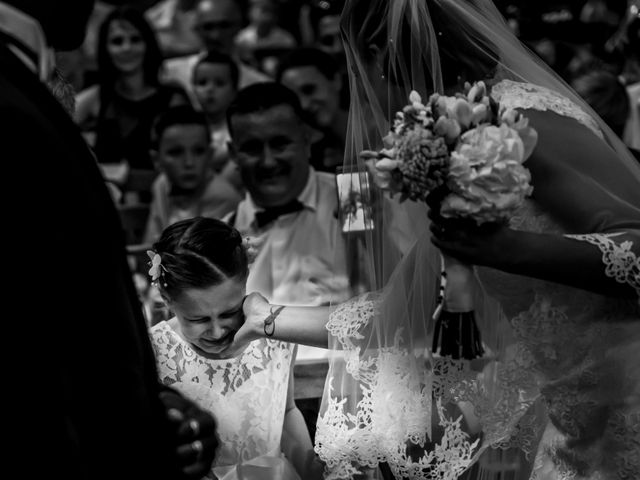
(302, 325)
(578, 180)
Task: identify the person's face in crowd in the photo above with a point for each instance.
(262, 13)
(319, 95)
(214, 88)
(271, 149)
(546, 50)
(217, 23)
(184, 155)
(329, 38)
(126, 46)
(210, 317)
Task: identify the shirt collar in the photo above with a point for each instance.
(308, 197)
(28, 33)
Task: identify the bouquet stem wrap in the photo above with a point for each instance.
(460, 286)
(456, 332)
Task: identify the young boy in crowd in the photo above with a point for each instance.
(215, 85)
(259, 41)
(187, 185)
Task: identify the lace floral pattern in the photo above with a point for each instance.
(393, 417)
(512, 94)
(399, 391)
(553, 370)
(572, 341)
(620, 262)
(564, 341)
(246, 394)
(626, 434)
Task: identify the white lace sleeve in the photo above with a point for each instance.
(512, 94)
(619, 260)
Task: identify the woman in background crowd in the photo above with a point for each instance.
(117, 113)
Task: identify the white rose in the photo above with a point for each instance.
(486, 175)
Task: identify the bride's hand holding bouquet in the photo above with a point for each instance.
(488, 244)
(463, 155)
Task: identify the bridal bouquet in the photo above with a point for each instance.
(472, 150)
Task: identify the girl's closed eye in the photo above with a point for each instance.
(197, 320)
(231, 313)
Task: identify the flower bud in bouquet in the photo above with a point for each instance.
(515, 120)
(510, 117)
(448, 128)
(441, 105)
(387, 141)
(462, 112)
(480, 114)
(475, 92)
(415, 98)
(384, 176)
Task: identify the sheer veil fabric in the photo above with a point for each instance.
(557, 380)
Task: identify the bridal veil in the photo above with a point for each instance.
(388, 400)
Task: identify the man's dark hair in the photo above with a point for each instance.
(308, 57)
(260, 97)
(177, 115)
(221, 58)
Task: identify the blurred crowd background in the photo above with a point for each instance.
(592, 44)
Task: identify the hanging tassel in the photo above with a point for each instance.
(456, 333)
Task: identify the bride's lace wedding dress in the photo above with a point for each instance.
(566, 390)
(246, 394)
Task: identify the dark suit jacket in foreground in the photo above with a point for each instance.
(79, 372)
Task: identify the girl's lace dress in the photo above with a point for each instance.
(567, 390)
(246, 395)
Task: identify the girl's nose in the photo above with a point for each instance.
(216, 330)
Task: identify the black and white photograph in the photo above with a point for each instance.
(321, 239)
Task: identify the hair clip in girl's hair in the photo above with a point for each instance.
(252, 248)
(157, 270)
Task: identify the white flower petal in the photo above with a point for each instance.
(414, 97)
(387, 164)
